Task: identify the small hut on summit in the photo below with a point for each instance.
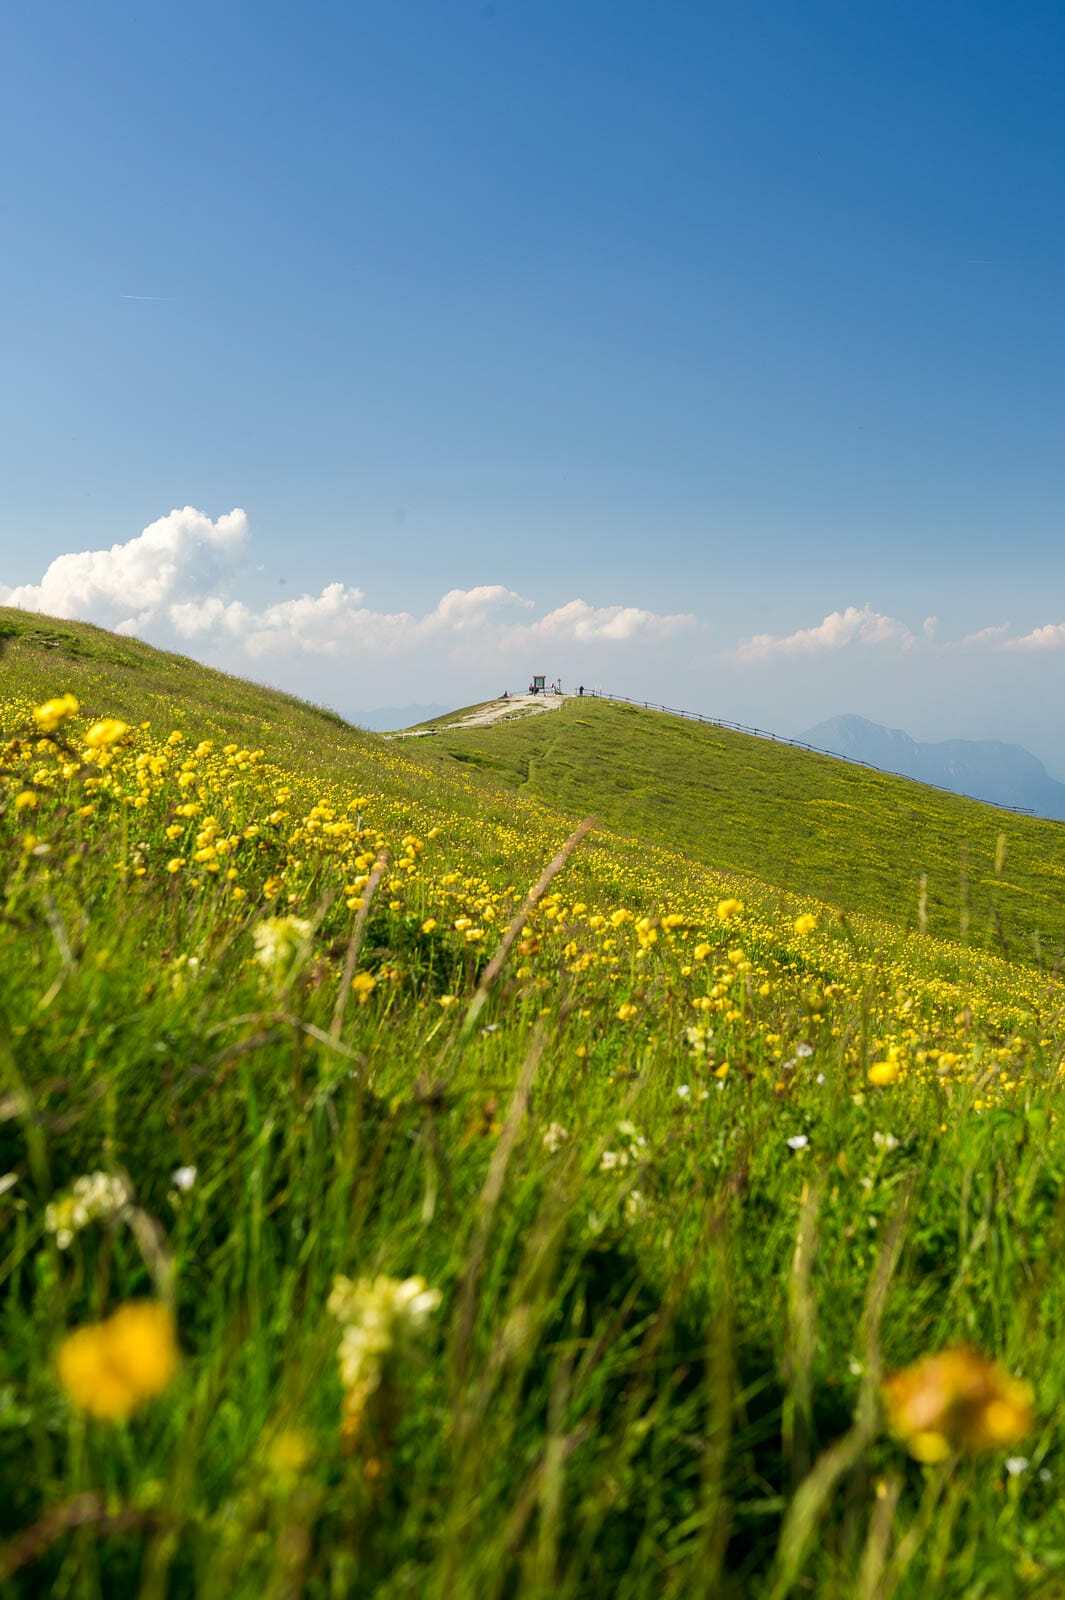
(539, 683)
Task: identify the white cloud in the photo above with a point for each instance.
(579, 621)
(929, 626)
(174, 559)
(471, 608)
(994, 635)
(838, 629)
(1051, 636)
(171, 583)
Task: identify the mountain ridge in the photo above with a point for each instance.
(985, 769)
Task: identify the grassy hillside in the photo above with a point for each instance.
(371, 1225)
(857, 839)
(120, 677)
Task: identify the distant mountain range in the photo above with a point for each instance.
(389, 719)
(986, 769)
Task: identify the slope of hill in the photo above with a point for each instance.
(398, 1197)
(986, 769)
(122, 677)
(859, 840)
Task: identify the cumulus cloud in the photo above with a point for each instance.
(129, 586)
(172, 582)
(1051, 636)
(994, 635)
(838, 629)
(579, 621)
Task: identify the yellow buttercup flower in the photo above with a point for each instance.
(49, 715)
(106, 732)
(806, 923)
(955, 1400)
(109, 1368)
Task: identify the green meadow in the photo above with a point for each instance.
(849, 836)
(531, 1161)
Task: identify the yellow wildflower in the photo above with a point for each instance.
(109, 1368)
(106, 732)
(53, 712)
(956, 1400)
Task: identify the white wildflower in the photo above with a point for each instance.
(279, 942)
(631, 1148)
(804, 1050)
(378, 1315)
(183, 1178)
(555, 1137)
(96, 1196)
(798, 1141)
(684, 1090)
(1015, 1465)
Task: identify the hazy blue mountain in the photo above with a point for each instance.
(983, 768)
(389, 719)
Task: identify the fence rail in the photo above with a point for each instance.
(799, 744)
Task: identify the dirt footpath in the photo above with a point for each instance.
(516, 705)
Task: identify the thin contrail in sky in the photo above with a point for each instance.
(159, 297)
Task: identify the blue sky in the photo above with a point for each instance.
(738, 314)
